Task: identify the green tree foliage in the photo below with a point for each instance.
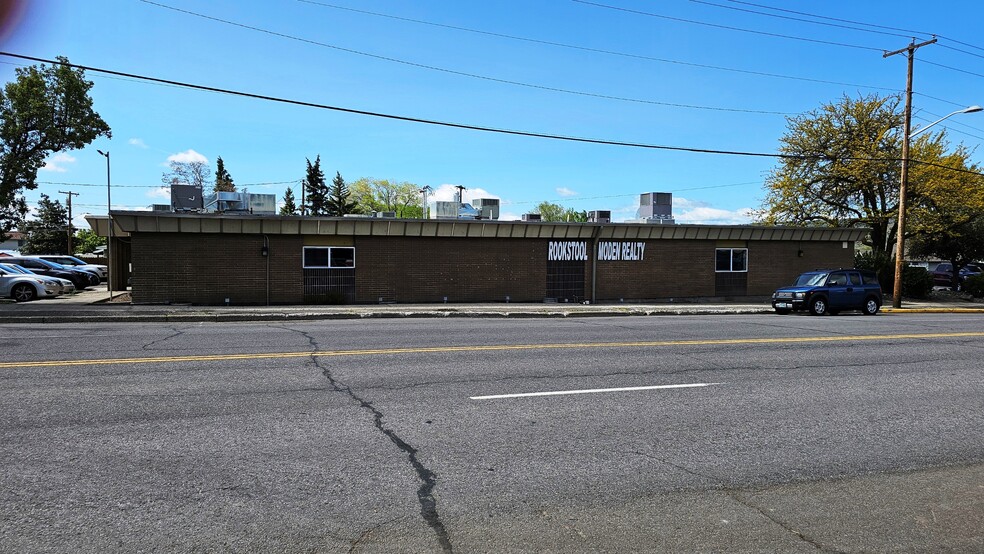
(290, 206)
(45, 110)
(381, 195)
(843, 168)
(315, 189)
(223, 181)
(48, 232)
(339, 203)
(555, 212)
(188, 173)
(86, 241)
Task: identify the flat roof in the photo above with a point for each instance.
(126, 223)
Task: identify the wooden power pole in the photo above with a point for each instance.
(69, 204)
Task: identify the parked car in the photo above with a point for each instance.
(830, 291)
(81, 279)
(75, 263)
(943, 274)
(63, 286)
(23, 288)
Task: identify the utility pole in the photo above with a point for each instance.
(69, 204)
(910, 52)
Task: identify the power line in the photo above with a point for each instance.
(952, 68)
(463, 73)
(909, 31)
(240, 185)
(595, 50)
(470, 127)
(706, 3)
(726, 27)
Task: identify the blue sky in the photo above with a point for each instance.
(620, 70)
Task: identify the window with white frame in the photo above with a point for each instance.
(329, 257)
(731, 260)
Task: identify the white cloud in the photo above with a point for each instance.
(160, 192)
(55, 163)
(509, 216)
(564, 191)
(138, 142)
(188, 156)
(699, 212)
(445, 193)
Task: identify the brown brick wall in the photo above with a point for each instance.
(670, 269)
(208, 268)
(409, 269)
(772, 264)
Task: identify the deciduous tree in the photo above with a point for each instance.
(842, 167)
(45, 110)
(381, 195)
(196, 173)
(555, 212)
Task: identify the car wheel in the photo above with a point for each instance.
(23, 293)
(782, 311)
(870, 306)
(818, 306)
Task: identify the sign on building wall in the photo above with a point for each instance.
(567, 251)
(621, 251)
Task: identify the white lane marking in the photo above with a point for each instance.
(590, 391)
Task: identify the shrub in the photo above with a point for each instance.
(881, 263)
(975, 286)
(916, 282)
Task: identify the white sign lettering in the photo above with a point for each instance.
(621, 251)
(567, 251)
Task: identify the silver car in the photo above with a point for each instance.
(23, 288)
(63, 286)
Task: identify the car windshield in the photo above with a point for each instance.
(810, 279)
(17, 269)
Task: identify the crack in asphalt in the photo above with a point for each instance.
(735, 495)
(425, 493)
(175, 333)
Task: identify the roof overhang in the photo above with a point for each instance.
(126, 223)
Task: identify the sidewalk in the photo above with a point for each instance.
(94, 305)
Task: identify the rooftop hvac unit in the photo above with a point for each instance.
(532, 217)
(488, 208)
(160, 207)
(656, 205)
(390, 215)
(186, 198)
(600, 216)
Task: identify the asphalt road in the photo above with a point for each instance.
(662, 434)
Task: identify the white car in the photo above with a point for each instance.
(75, 263)
(22, 287)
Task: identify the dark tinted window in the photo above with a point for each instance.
(837, 280)
(342, 257)
(316, 257)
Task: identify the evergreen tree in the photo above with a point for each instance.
(48, 232)
(338, 202)
(315, 202)
(223, 181)
(289, 207)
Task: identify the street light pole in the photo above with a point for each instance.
(109, 219)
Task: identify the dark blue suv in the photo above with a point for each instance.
(830, 291)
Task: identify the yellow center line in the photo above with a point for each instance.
(486, 348)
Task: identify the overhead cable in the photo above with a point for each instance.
(462, 73)
(513, 132)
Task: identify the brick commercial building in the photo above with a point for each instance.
(249, 259)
